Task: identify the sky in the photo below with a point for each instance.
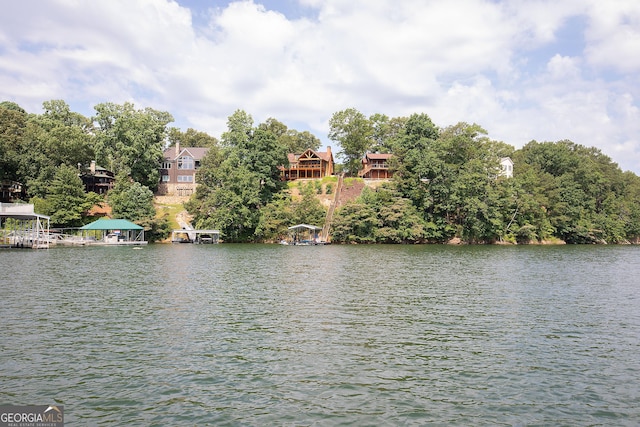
(543, 70)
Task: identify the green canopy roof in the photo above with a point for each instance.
(112, 224)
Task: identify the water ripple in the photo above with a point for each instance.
(337, 335)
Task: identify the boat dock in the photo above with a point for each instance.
(21, 227)
(195, 236)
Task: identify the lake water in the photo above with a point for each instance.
(191, 335)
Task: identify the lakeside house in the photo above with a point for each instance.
(375, 166)
(97, 179)
(10, 191)
(178, 170)
(506, 167)
(308, 164)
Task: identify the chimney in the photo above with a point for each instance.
(177, 148)
(329, 150)
(93, 167)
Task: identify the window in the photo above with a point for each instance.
(165, 178)
(185, 162)
(185, 178)
(166, 165)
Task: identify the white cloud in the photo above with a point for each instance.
(469, 60)
(563, 67)
(614, 35)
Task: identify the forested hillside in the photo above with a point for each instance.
(447, 182)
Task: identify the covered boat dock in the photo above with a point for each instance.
(113, 232)
(21, 227)
(304, 235)
(195, 236)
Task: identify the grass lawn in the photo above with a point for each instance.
(171, 211)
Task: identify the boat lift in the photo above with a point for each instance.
(195, 236)
(21, 227)
(304, 235)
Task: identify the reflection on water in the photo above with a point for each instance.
(365, 335)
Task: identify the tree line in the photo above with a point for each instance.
(446, 183)
(48, 152)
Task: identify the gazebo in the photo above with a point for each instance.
(116, 232)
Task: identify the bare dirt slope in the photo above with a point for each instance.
(350, 191)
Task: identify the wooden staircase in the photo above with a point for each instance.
(364, 171)
(327, 221)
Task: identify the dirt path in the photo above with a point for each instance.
(184, 219)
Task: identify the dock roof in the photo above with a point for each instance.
(303, 226)
(112, 224)
(20, 211)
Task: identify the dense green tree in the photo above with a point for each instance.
(12, 128)
(400, 222)
(584, 191)
(355, 222)
(56, 137)
(239, 130)
(298, 142)
(156, 229)
(263, 156)
(191, 138)
(8, 105)
(450, 175)
(238, 181)
(66, 201)
(282, 211)
(388, 218)
(354, 132)
(131, 200)
(59, 112)
(275, 218)
(385, 132)
(131, 141)
(420, 171)
(308, 209)
(277, 128)
(229, 201)
(629, 207)
(293, 140)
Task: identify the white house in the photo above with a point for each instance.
(506, 165)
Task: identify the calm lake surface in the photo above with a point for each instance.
(190, 335)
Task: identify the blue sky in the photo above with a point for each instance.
(522, 69)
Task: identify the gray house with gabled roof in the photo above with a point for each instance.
(178, 170)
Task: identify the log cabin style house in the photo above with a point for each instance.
(307, 165)
(97, 179)
(11, 191)
(375, 166)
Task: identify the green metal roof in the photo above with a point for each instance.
(112, 224)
